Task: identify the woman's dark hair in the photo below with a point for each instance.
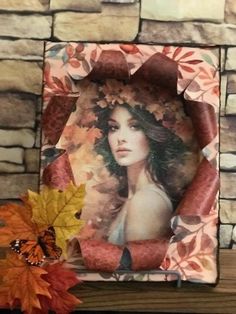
(167, 150)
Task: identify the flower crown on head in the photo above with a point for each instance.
(158, 101)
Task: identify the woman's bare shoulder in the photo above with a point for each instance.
(151, 199)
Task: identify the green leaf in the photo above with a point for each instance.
(207, 58)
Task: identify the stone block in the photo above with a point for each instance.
(227, 185)
(76, 5)
(228, 211)
(16, 185)
(14, 154)
(25, 26)
(227, 134)
(21, 49)
(32, 160)
(114, 23)
(24, 5)
(231, 86)
(222, 59)
(182, 10)
(6, 167)
(23, 76)
(223, 87)
(231, 59)
(17, 110)
(38, 136)
(230, 108)
(230, 11)
(187, 32)
(234, 234)
(225, 235)
(22, 137)
(228, 162)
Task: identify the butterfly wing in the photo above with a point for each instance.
(48, 242)
(34, 251)
(30, 249)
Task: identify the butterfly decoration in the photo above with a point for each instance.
(35, 251)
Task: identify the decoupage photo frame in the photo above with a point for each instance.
(137, 125)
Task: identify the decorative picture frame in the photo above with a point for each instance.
(46, 234)
(192, 72)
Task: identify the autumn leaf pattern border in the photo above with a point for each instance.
(198, 80)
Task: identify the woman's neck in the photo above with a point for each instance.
(138, 177)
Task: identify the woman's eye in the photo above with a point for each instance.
(112, 128)
(135, 126)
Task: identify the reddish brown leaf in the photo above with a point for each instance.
(195, 266)
(79, 47)
(191, 220)
(192, 61)
(186, 55)
(190, 246)
(193, 87)
(74, 63)
(68, 83)
(206, 242)
(93, 55)
(181, 248)
(186, 68)
(58, 82)
(60, 280)
(166, 50)
(70, 50)
(86, 66)
(177, 52)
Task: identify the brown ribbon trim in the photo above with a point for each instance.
(56, 115)
(104, 256)
(59, 173)
(200, 195)
(204, 121)
(111, 64)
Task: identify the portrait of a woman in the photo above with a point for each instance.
(141, 153)
(122, 143)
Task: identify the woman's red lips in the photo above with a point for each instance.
(122, 150)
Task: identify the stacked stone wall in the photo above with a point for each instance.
(26, 24)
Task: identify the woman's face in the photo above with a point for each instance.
(128, 143)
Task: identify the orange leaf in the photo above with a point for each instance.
(93, 134)
(74, 63)
(24, 283)
(60, 280)
(17, 219)
(129, 48)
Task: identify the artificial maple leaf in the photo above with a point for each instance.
(57, 209)
(24, 283)
(60, 280)
(18, 224)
